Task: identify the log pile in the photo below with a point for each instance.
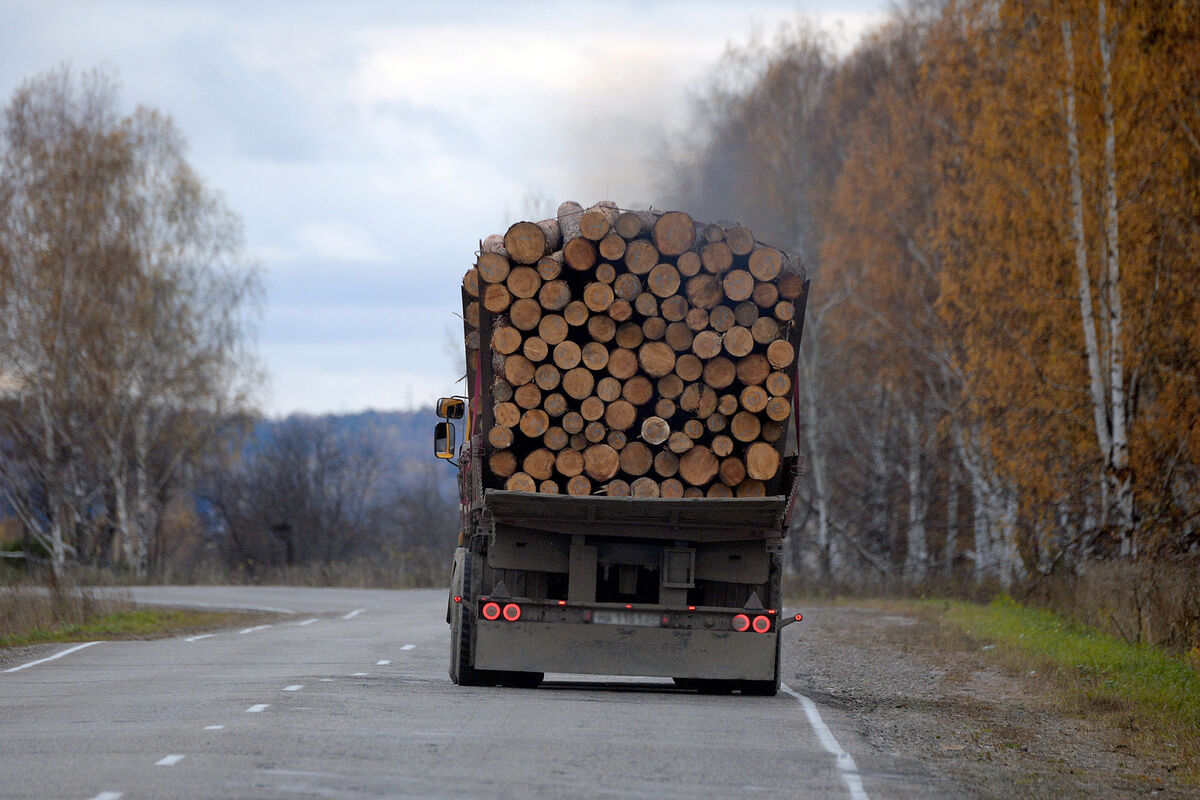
(633, 353)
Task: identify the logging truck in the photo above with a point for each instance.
(629, 454)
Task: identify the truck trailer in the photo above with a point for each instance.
(629, 454)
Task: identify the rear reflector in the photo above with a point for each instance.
(491, 611)
(741, 623)
(762, 624)
(512, 612)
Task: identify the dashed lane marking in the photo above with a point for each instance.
(198, 638)
(408, 647)
(358, 674)
(108, 796)
(382, 663)
(295, 687)
(255, 628)
(214, 727)
(302, 623)
(66, 652)
(354, 613)
(257, 707)
(845, 763)
(169, 761)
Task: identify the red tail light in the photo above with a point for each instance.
(741, 623)
(512, 612)
(762, 624)
(491, 611)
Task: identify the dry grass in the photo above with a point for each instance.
(27, 607)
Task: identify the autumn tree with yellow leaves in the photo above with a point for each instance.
(1000, 202)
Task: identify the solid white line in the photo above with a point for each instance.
(256, 628)
(308, 621)
(355, 613)
(108, 796)
(257, 707)
(408, 647)
(168, 761)
(383, 663)
(295, 687)
(66, 652)
(214, 727)
(845, 763)
(198, 638)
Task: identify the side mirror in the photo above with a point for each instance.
(443, 440)
(450, 407)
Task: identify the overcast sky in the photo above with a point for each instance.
(369, 146)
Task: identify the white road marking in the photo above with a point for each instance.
(295, 687)
(66, 652)
(257, 707)
(168, 761)
(214, 727)
(358, 674)
(256, 628)
(198, 638)
(108, 796)
(383, 663)
(845, 763)
(307, 621)
(408, 647)
(355, 613)
(326, 680)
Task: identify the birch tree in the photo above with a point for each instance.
(125, 303)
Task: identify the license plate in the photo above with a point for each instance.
(642, 619)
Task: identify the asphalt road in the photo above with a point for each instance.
(347, 696)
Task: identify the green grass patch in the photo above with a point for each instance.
(141, 623)
(1143, 691)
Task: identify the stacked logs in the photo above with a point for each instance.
(633, 353)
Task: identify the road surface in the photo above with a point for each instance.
(346, 695)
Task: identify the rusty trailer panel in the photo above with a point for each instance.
(618, 650)
(699, 519)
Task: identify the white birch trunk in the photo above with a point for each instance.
(950, 542)
(809, 358)
(917, 557)
(1120, 483)
(55, 504)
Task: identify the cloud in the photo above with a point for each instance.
(368, 146)
(343, 241)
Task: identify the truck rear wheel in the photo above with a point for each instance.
(462, 663)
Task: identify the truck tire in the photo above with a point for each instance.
(462, 661)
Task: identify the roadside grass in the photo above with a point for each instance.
(1148, 696)
(31, 614)
(143, 623)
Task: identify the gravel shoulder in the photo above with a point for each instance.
(940, 718)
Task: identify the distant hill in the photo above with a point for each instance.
(404, 440)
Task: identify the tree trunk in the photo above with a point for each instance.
(916, 557)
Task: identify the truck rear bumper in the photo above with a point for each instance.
(584, 648)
